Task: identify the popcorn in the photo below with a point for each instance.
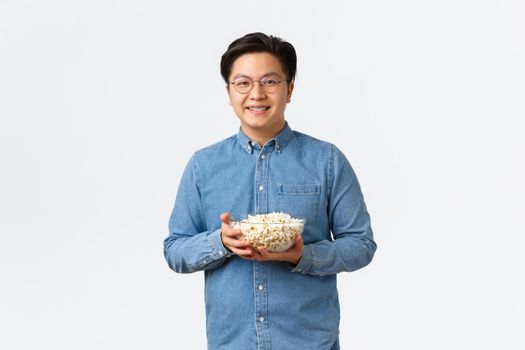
(275, 231)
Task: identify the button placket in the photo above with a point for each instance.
(261, 306)
(260, 273)
(261, 177)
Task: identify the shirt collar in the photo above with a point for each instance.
(281, 139)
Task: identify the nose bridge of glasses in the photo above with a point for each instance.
(259, 88)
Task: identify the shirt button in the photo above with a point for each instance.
(261, 287)
(277, 146)
(263, 156)
(261, 319)
(220, 253)
(261, 188)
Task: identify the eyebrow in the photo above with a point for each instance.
(264, 76)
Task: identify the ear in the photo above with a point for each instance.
(290, 91)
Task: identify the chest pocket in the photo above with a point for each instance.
(300, 201)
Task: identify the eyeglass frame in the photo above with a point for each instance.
(258, 81)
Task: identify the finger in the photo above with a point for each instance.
(247, 257)
(237, 243)
(264, 254)
(257, 255)
(263, 251)
(231, 232)
(225, 218)
(243, 252)
(298, 246)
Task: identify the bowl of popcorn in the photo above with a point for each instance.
(275, 231)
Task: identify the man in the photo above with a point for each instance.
(256, 299)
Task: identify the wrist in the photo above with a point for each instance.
(225, 246)
(295, 261)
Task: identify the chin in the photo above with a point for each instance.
(257, 121)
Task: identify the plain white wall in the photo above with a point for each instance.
(103, 102)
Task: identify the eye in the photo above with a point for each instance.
(270, 82)
(243, 82)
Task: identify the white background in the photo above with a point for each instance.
(103, 102)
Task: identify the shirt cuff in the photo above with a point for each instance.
(216, 241)
(305, 263)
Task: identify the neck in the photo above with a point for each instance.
(262, 137)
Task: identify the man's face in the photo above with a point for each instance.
(261, 112)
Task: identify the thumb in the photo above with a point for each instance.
(225, 218)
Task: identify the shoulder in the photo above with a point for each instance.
(314, 144)
(215, 148)
(322, 151)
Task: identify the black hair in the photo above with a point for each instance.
(260, 42)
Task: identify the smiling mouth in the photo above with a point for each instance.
(257, 109)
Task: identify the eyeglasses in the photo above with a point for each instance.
(244, 85)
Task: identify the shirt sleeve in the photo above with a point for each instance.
(190, 247)
(353, 246)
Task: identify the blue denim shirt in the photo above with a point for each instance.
(270, 305)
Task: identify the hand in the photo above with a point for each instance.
(232, 239)
(292, 255)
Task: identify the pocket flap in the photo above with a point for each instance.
(299, 189)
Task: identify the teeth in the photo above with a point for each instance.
(258, 108)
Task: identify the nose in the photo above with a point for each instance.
(257, 91)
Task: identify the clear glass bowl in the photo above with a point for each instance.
(275, 236)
